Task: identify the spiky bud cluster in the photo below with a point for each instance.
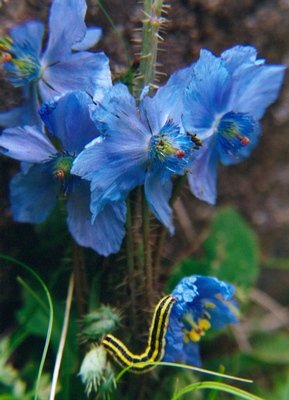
(97, 374)
(100, 322)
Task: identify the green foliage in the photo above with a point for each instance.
(99, 322)
(281, 388)
(34, 319)
(231, 253)
(232, 249)
(272, 348)
(39, 301)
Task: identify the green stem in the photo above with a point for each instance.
(151, 24)
(63, 336)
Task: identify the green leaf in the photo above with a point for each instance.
(187, 267)
(232, 249)
(231, 253)
(281, 388)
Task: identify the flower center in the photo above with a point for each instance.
(59, 167)
(62, 166)
(234, 131)
(20, 61)
(163, 147)
(171, 149)
(197, 327)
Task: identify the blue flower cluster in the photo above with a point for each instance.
(91, 141)
(202, 302)
(63, 66)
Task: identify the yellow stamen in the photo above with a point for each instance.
(195, 336)
(209, 304)
(204, 324)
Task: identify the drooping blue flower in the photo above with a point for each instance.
(35, 189)
(140, 146)
(202, 303)
(62, 67)
(223, 103)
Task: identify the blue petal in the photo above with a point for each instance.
(106, 233)
(117, 163)
(81, 71)
(191, 354)
(114, 166)
(186, 290)
(91, 38)
(26, 144)
(195, 295)
(26, 114)
(209, 286)
(69, 119)
(29, 33)
(224, 313)
(158, 194)
(33, 195)
(203, 173)
(19, 116)
(167, 103)
(239, 56)
(175, 349)
(255, 88)
(117, 111)
(207, 94)
(66, 28)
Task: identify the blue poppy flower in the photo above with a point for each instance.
(35, 189)
(223, 103)
(202, 303)
(142, 145)
(63, 66)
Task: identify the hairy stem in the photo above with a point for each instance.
(151, 25)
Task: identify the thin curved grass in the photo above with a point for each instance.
(51, 314)
(184, 366)
(216, 386)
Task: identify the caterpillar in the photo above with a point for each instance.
(156, 341)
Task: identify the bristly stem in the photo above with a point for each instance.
(152, 22)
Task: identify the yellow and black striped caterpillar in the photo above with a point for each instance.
(156, 341)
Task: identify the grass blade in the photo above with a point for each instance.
(51, 314)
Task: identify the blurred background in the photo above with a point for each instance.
(256, 192)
